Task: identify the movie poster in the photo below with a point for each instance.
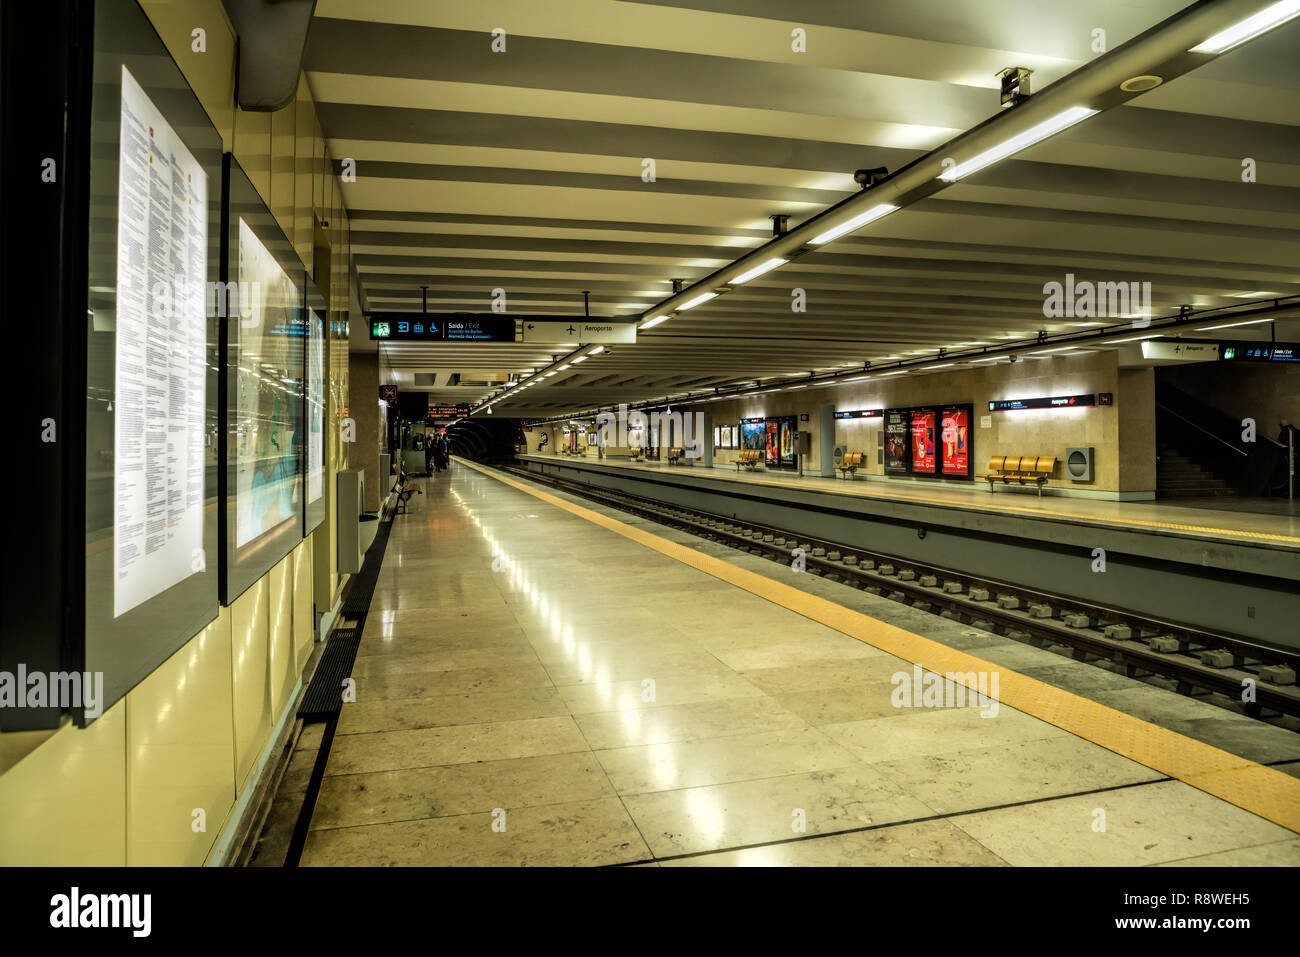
(897, 434)
(955, 436)
(923, 439)
(788, 446)
(772, 442)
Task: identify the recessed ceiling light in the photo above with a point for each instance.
(1140, 84)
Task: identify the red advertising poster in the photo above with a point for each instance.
(923, 438)
(955, 438)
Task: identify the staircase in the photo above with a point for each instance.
(1179, 477)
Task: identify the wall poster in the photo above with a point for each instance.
(898, 428)
(955, 440)
(923, 447)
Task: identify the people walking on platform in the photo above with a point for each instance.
(441, 452)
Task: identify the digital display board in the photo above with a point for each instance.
(1056, 402)
(1260, 351)
(954, 441)
(448, 411)
(441, 327)
(861, 414)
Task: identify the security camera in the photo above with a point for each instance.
(866, 178)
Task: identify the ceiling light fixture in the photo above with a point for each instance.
(577, 359)
(870, 216)
(1111, 342)
(1029, 137)
(1229, 325)
(651, 323)
(596, 351)
(758, 271)
(703, 297)
(1251, 27)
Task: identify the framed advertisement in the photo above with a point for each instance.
(753, 434)
(955, 441)
(924, 458)
(315, 384)
(898, 441)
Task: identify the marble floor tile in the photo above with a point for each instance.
(395, 714)
(703, 719)
(1151, 824)
(631, 695)
(453, 744)
(936, 731)
(738, 757)
(584, 833)
(816, 675)
(931, 843)
(1275, 854)
(462, 681)
(453, 659)
(768, 809)
(347, 800)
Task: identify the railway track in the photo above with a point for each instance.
(1140, 647)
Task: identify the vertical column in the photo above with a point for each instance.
(826, 440)
(706, 439)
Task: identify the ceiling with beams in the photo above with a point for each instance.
(523, 170)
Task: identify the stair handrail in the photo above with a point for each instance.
(1241, 452)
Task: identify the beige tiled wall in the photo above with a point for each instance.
(1031, 432)
(125, 790)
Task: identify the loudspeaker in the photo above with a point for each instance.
(1078, 464)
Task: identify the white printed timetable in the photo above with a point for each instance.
(161, 376)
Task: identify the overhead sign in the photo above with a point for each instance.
(1056, 402)
(448, 411)
(860, 414)
(583, 331)
(1260, 351)
(441, 327)
(388, 393)
(1180, 351)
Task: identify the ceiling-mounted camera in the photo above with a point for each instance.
(867, 178)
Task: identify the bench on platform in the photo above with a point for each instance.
(1025, 469)
(405, 488)
(636, 453)
(675, 456)
(750, 459)
(852, 462)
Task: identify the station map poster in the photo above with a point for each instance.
(268, 405)
(898, 426)
(955, 441)
(161, 367)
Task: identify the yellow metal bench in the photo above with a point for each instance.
(852, 462)
(1025, 469)
(750, 459)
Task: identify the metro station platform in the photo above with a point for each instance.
(543, 682)
(1272, 531)
(1233, 573)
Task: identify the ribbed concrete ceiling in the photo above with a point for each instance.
(523, 170)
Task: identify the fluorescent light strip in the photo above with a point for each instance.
(870, 216)
(697, 300)
(1019, 142)
(651, 323)
(596, 351)
(1251, 27)
(1111, 342)
(580, 359)
(758, 271)
(1229, 325)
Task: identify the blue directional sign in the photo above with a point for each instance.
(441, 327)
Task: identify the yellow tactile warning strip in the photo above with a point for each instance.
(1253, 787)
(905, 497)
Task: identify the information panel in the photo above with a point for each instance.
(315, 406)
(1044, 402)
(1260, 351)
(954, 439)
(269, 423)
(161, 369)
(441, 327)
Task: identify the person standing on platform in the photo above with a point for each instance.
(441, 452)
(430, 457)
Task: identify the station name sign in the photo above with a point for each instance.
(441, 327)
(1053, 402)
(860, 414)
(1260, 351)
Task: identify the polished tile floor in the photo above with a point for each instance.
(533, 689)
